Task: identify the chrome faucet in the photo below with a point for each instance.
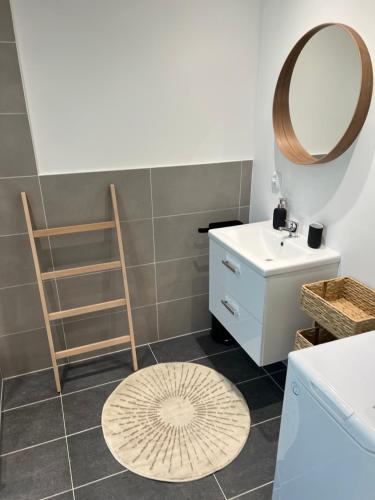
(291, 227)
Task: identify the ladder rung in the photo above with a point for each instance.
(79, 228)
(74, 351)
(73, 271)
(101, 306)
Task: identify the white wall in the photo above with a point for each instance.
(131, 83)
(340, 194)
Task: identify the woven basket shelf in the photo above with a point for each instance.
(312, 336)
(343, 306)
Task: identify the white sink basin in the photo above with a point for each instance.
(270, 251)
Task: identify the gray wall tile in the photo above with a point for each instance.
(82, 249)
(182, 278)
(244, 214)
(111, 325)
(101, 246)
(12, 218)
(11, 92)
(6, 24)
(145, 325)
(142, 285)
(138, 242)
(16, 148)
(178, 236)
(193, 188)
(100, 287)
(20, 307)
(80, 198)
(25, 352)
(247, 169)
(1, 395)
(183, 316)
(16, 265)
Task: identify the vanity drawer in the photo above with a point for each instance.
(237, 320)
(244, 284)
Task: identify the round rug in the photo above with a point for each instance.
(175, 422)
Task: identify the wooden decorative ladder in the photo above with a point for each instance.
(68, 313)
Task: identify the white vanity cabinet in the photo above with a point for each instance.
(237, 299)
(260, 311)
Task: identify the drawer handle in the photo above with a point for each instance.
(231, 309)
(227, 263)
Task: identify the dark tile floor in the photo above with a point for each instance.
(52, 446)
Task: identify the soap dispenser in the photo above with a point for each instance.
(279, 214)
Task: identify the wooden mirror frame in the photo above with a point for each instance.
(286, 138)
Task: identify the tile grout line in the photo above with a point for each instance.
(31, 446)
(239, 195)
(96, 385)
(219, 485)
(57, 494)
(106, 354)
(93, 428)
(61, 322)
(154, 249)
(195, 213)
(21, 284)
(182, 298)
(249, 491)
(274, 381)
(11, 236)
(94, 316)
(104, 314)
(67, 447)
(101, 479)
(66, 436)
(213, 354)
(265, 421)
(1, 397)
(181, 335)
(6, 177)
(266, 374)
(119, 380)
(122, 221)
(134, 266)
(18, 450)
(93, 387)
(157, 362)
(183, 258)
(29, 404)
(62, 395)
(251, 379)
(112, 381)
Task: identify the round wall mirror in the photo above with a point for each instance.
(322, 95)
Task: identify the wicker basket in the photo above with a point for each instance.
(311, 337)
(343, 306)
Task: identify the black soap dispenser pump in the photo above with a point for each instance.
(279, 214)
